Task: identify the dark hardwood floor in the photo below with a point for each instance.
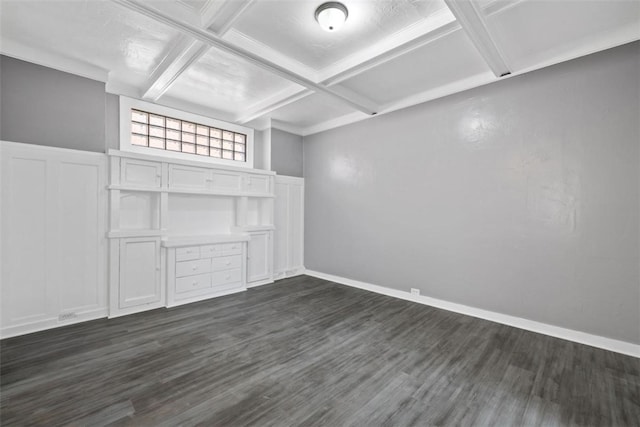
(309, 352)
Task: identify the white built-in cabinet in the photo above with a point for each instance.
(139, 278)
(183, 231)
(259, 257)
(84, 235)
(289, 227)
(52, 234)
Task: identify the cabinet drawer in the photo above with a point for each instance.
(211, 251)
(192, 283)
(190, 268)
(227, 263)
(226, 277)
(232, 249)
(140, 173)
(257, 184)
(186, 254)
(188, 178)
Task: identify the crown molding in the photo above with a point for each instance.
(37, 56)
(280, 99)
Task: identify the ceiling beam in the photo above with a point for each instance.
(473, 24)
(219, 43)
(181, 56)
(431, 32)
(186, 51)
(285, 97)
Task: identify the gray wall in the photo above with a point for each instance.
(520, 197)
(286, 153)
(43, 106)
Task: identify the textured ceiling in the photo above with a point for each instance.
(259, 62)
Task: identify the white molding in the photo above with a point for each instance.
(185, 162)
(220, 16)
(610, 344)
(624, 36)
(287, 179)
(222, 44)
(288, 127)
(259, 283)
(403, 41)
(184, 53)
(190, 107)
(14, 331)
(37, 56)
(244, 41)
(283, 98)
(126, 104)
(440, 92)
(335, 123)
(473, 24)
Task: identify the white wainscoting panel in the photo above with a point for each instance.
(289, 223)
(52, 233)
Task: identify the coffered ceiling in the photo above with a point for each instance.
(267, 62)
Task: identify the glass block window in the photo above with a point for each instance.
(166, 133)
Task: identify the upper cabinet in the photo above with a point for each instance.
(140, 173)
(144, 172)
(258, 184)
(204, 179)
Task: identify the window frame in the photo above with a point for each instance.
(128, 104)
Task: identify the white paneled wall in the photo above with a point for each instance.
(53, 263)
(289, 222)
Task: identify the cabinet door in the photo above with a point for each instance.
(188, 178)
(257, 184)
(259, 256)
(226, 181)
(139, 272)
(140, 173)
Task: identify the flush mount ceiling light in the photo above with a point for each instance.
(331, 15)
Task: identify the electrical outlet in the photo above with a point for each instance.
(415, 291)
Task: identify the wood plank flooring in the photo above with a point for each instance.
(309, 352)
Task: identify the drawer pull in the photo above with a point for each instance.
(189, 251)
(194, 284)
(228, 277)
(195, 267)
(228, 263)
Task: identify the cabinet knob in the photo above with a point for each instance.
(228, 262)
(228, 277)
(195, 267)
(194, 284)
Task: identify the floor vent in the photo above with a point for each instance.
(67, 316)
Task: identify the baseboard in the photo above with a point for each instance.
(259, 283)
(617, 346)
(42, 325)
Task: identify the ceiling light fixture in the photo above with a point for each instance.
(331, 15)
